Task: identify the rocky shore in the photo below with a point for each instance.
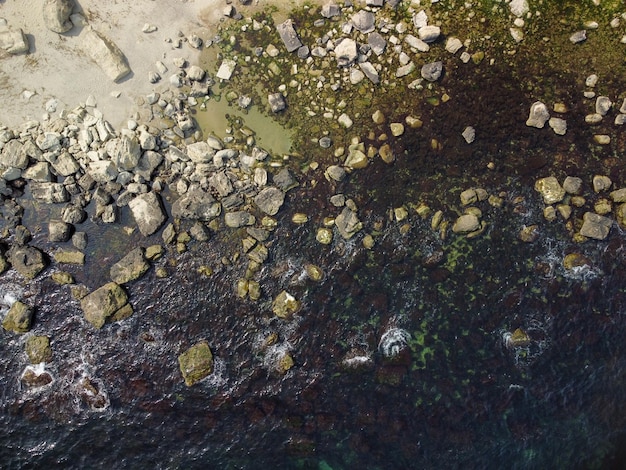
(360, 87)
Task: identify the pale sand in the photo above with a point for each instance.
(57, 68)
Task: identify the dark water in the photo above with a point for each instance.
(455, 397)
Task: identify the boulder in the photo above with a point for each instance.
(56, 15)
(14, 41)
(130, 267)
(196, 363)
(200, 152)
(27, 260)
(289, 36)
(104, 53)
(13, 155)
(238, 219)
(58, 231)
(103, 303)
(221, 183)
(270, 200)
(196, 205)
(19, 318)
(148, 212)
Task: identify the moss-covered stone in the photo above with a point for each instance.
(154, 252)
(69, 257)
(196, 363)
(62, 278)
(103, 303)
(38, 349)
(27, 260)
(19, 318)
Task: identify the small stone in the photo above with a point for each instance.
(397, 129)
(38, 349)
(453, 45)
(466, 223)
(558, 125)
(429, 33)
(572, 185)
(578, 36)
(550, 189)
(571, 261)
(378, 117)
(601, 183)
(603, 105)
(468, 197)
(69, 257)
(538, 116)
(529, 233)
(432, 71)
(469, 134)
(285, 305)
(602, 139)
(518, 339)
(324, 236)
(277, 102)
(62, 278)
(345, 121)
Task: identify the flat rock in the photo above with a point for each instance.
(26, 260)
(200, 152)
(103, 303)
(377, 42)
(270, 200)
(196, 205)
(370, 72)
(595, 226)
(104, 53)
(124, 152)
(147, 212)
(130, 267)
(288, 35)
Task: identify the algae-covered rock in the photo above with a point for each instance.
(27, 260)
(103, 303)
(130, 267)
(19, 318)
(285, 305)
(196, 363)
(69, 257)
(38, 349)
(62, 278)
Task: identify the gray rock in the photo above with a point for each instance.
(147, 164)
(14, 41)
(285, 180)
(558, 125)
(79, 240)
(288, 35)
(56, 15)
(578, 36)
(102, 171)
(364, 21)
(196, 205)
(59, 231)
(330, 10)
(572, 185)
(130, 267)
(104, 53)
(65, 165)
(348, 223)
(238, 219)
(13, 155)
(200, 152)
(595, 226)
(199, 232)
(370, 72)
(124, 152)
(39, 172)
(432, 71)
(335, 173)
(346, 52)
(416, 43)
(603, 105)
(277, 102)
(469, 134)
(377, 43)
(221, 183)
(429, 33)
(148, 213)
(103, 304)
(50, 193)
(270, 200)
(73, 214)
(26, 260)
(538, 115)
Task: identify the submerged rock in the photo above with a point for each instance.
(130, 267)
(38, 349)
(27, 260)
(550, 189)
(19, 318)
(196, 363)
(103, 303)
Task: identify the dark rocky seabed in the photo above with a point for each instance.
(455, 397)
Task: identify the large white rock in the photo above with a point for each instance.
(226, 69)
(148, 213)
(13, 41)
(538, 115)
(56, 15)
(104, 53)
(519, 7)
(346, 52)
